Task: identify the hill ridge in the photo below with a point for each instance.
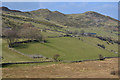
(3, 8)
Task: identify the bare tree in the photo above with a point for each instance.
(36, 34)
(26, 31)
(101, 57)
(31, 32)
(11, 36)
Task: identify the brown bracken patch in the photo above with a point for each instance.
(88, 69)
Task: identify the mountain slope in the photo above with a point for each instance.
(86, 19)
(56, 21)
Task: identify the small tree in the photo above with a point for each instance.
(11, 36)
(30, 32)
(55, 57)
(101, 57)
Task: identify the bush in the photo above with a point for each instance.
(55, 57)
(101, 57)
(102, 46)
(115, 72)
(47, 58)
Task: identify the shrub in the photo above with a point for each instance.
(115, 72)
(55, 57)
(102, 46)
(101, 57)
(47, 58)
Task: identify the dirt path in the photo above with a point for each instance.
(88, 69)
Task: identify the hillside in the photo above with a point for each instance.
(70, 49)
(46, 44)
(56, 21)
(11, 56)
(56, 24)
(87, 19)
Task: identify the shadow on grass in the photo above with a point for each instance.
(25, 44)
(20, 46)
(9, 65)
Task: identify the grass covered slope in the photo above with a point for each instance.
(55, 24)
(11, 56)
(90, 21)
(67, 48)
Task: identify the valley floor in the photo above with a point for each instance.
(88, 69)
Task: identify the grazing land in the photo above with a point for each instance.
(12, 56)
(70, 48)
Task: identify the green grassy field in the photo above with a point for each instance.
(11, 56)
(94, 41)
(69, 48)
